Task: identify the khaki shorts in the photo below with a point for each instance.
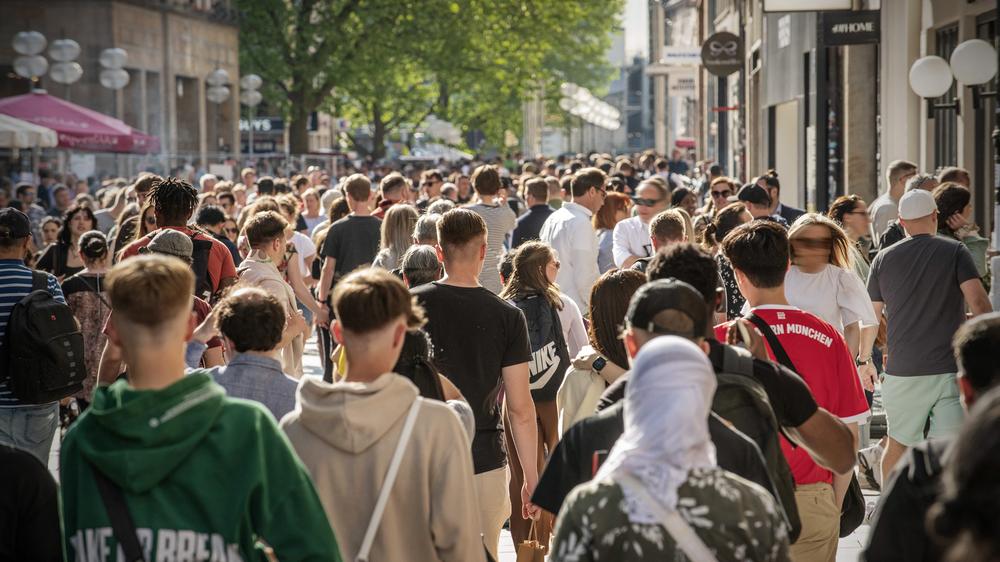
(910, 402)
(820, 524)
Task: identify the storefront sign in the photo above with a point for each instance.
(681, 56)
(263, 124)
(260, 146)
(805, 5)
(722, 54)
(850, 28)
(681, 85)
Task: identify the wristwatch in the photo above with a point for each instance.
(598, 364)
(859, 362)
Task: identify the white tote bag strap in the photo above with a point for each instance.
(390, 477)
(687, 540)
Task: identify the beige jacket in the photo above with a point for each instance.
(582, 387)
(346, 433)
(264, 275)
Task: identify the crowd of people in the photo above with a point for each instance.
(611, 357)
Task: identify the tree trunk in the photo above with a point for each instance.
(298, 125)
(378, 132)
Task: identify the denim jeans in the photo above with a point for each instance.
(30, 428)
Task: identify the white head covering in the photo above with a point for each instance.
(667, 404)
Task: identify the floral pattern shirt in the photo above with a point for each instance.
(736, 519)
(734, 298)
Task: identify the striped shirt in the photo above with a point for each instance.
(500, 220)
(15, 284)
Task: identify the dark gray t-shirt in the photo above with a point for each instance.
(918, 279)
(353, 241)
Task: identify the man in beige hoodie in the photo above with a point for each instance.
(266, 234)
(346, 433)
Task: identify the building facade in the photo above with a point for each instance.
(172, 46)
(824, 98)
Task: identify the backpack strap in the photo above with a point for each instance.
(39, 281)
(390, 478)
(686, 538)
(772, 340)
(122, 523)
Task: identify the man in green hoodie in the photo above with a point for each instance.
(203, 476)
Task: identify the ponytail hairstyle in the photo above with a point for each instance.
(416, 363)
(93, 246)
(727, 219)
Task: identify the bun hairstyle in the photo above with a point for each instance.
(93, 245)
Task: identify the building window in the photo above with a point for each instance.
(945, 120)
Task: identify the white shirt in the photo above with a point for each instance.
(572, 326)
(304, 248)
(571, 235)
(836, 295)
(631, 238)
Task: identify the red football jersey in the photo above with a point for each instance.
(822, 359)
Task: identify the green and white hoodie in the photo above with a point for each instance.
(204, 476)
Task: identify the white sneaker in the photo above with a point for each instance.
(870, 466)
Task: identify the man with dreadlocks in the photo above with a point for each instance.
(174, 201)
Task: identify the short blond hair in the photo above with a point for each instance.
(150, 289)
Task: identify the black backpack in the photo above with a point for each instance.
(742, 401)
(43, 348)
(202, 249)
(549, 355)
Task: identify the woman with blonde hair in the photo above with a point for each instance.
(397, 235)
(821, 281)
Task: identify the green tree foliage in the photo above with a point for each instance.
(388, 63)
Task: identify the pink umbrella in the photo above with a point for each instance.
(78, 127)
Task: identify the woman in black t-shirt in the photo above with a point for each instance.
(62, 258)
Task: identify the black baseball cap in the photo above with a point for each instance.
(753, 193)
(667, 294)
(14, 223)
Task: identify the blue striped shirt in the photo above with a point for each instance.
(15, 284)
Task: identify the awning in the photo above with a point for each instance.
(78, 127)
(15, 133)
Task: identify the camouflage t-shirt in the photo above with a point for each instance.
(736, 519)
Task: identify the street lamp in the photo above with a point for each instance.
(930, 77)
(251, 97)
(31, 64)
(65, 70)
(974, 63)
(217, 92)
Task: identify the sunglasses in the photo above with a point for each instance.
(646, 202)
(150, 220)
(725, 193)
(556, 263)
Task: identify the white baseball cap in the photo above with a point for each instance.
(916, 204)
